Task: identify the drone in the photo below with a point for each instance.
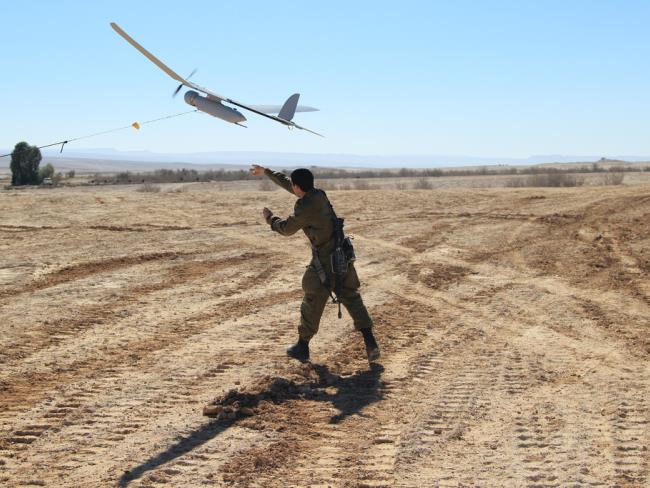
(213, 104)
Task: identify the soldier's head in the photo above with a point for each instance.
(302, 181)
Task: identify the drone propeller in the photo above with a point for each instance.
(181, 85)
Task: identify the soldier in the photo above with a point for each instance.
(314, 215)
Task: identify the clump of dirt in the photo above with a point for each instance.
(278, 405)
(438, 275)
(560, 218)
(304, 382)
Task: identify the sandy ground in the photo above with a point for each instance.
(514, 325)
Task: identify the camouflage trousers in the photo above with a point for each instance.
(317, 295)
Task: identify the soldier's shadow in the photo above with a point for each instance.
(352, 394)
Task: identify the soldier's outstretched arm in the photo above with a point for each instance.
(276, 177)
(279, 179)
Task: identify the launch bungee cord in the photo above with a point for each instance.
(134, 125)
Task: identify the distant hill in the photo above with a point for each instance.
(112, 161)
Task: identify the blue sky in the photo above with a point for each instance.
(490, 78)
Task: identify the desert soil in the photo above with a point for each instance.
(514, 326)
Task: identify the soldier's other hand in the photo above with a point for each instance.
(267, 215)
(257, 170)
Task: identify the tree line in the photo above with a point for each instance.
(192, 175)
(26, 159)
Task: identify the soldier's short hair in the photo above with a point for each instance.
(303, 178)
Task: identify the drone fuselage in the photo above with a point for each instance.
(213, 107)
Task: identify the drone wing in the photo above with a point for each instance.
(170, 72)
(275, 109)
(305, 128)
(288, 123)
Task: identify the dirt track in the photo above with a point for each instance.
(514, 325)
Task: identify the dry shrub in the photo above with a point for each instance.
(422, 184)
(615, 178)
(267, 185)
(547, 180)
(326, 185)
(361, 185)
(513, 183)
(400, 185)
(149, 188)
(178, 189)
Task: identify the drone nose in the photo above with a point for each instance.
(190, 97)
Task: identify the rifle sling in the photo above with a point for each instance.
(338, 277)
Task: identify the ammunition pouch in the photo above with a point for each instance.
(348, 250)
(339, 262)
(318, 266)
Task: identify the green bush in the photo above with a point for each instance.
(46, 171)
(24, 164)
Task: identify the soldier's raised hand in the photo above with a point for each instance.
(257, 170)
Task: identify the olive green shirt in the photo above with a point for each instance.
(312, 213)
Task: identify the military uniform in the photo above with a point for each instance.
(312, 214)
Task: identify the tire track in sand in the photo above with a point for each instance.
(82, 270)
(93, 417)
(20, 392)
(54, 330)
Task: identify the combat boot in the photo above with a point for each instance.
(299, 351)
(372, 348)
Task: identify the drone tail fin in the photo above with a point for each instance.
(288, 110)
